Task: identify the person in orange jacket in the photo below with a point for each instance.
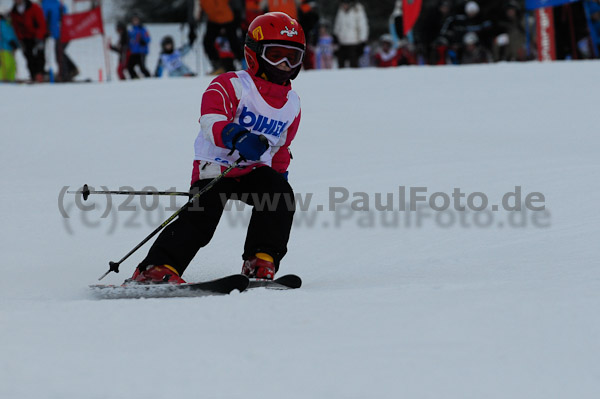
(290, 7)
(220, 18)
(30, 26)
(253, 9)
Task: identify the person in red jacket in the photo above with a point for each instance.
(387, 55)
(241, 112)
(30, 26)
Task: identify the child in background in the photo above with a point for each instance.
(171, 59)
(8, 45)
(29, 24)
(138, 48)
(122, 48)
(325, 49)
(387, 55)
(473, 52)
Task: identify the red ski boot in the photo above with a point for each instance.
(259, 266)
(156, 275)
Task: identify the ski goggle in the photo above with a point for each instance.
(275, 54)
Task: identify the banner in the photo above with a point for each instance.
(410, 13)
(545, 34)
(533, 4)
(80, 25)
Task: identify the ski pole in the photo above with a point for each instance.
(114, 266)
(86, 192)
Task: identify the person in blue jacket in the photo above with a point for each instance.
(138, 48)
(8, 44)
(171, 59)
(53, 11)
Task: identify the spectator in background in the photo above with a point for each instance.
(220, 17)
(238, 7)
(325, 49)
(53, 11)
(406, 53)
(308, 17)
(138, 48)
(427, 32)
(122, 48)
(351, 29)
(30, 27)
(253, 10)
(8, 45)
(455, 27)
(225, 53)
(510, 44)
(473, 52)
(389, 56)
(171, 59)
(386, 56)
(290, 7)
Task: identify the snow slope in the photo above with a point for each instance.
(440, 310)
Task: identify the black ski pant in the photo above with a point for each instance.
(36, 59)
(139, 60)
(350, 54)
(267, 191)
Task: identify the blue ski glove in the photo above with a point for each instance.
(250, 146)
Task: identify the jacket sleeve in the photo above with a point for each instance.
(219, 104)
(39, 22)
(363, 25)
(185, 49)
(281, 159)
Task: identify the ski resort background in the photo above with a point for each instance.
(397, 33)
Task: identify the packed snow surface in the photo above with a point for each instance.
(420, 304)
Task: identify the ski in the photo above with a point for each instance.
(287, 282)
(221, 286)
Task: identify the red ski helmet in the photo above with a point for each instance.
(264, 33)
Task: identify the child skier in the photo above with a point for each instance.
(121, 48)
(240, 110)
(171, 59)
(139, 38)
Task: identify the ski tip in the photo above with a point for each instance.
(290, 280)
(287, 282)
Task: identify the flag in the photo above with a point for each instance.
(545, 34)
(410, 13)
(533, 4)
(83, 24)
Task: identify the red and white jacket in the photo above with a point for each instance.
(261, 107)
